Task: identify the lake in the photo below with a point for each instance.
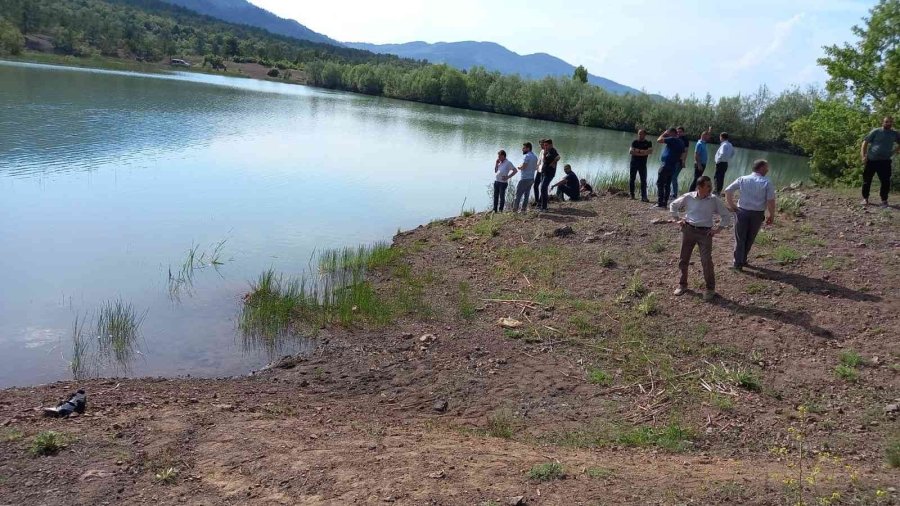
(109, 179)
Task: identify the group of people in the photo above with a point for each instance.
(695, 211)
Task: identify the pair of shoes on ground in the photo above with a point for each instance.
(708, 295)
(884, 203)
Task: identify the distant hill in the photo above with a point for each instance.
(245, 13)
(492, 56)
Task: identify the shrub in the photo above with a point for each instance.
(48, 443)
(598, 377)
(850, 358)
(501, 424)
(846, 373)
(273, 72)
(648, 305)
(790, 204)
(785, 255)
(547, 472)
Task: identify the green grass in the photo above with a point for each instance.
(181, 280)
(118, 330)
(501, 424)
(635, 287)
(606, 260)
(764, 238)
(547, 472)
(8, 434)
(892, 452)
(464, 301)
(756, 288)
(538, 263)
(658, 246)
(723, 402)
(48, 443)
(648, 305)
(81, 365)
(672, 437)
(599, 377)
(790, 204)
(490, 224)
(851, 358)
(834, 263)
(513, 334)
(786, 255)
(846, 373)
(457, 234)
(599, 472)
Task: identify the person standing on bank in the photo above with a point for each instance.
(724, 155)
(698, 228)
(640, 150)
(528, 169)
(504, 170)
(568, 186)
(682, 161)
(671, 156)
(757, 197)
(548, 172)
(877, 149)
(700, 157)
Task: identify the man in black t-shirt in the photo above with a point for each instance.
(568, 186)
(641, 148)
(548, 172)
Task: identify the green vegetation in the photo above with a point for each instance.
(851, 358)
(464, 301)
(892, 451)
(764, 238)
(606, 260)
(599, 377)
(672, 437)
(12, 42)
(846, 373)
(786, 255)
(547, 472)
(167, 475)
(635, 287)
(736, 376)
(118, 330)
(790, 204)
(48, 443)
(599, 472)
(182, 279)
(648, 305)
(501, 424)
(8, 434)
(658, 246)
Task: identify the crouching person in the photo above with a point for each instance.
(695, 214)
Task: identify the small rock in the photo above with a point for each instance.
(389, 498)
(224, 407)
(509, 323)
(860, 245)
(892, 408)
(518, 500)
(563, 231)
(427, 338)
(94, 473)
(436, 475)
(440, 405)
(304, 383)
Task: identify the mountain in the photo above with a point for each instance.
(492, 56)
(245, 13)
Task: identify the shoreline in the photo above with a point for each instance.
(603, 375)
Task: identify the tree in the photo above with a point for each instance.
(832, 135)
(581, 74)
(869, 70)
(11, 39)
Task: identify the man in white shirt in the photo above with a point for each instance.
(698, 228)
(723, 155)
(757, 196)
(504, 170)
(528, 169)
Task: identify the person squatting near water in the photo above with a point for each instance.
(695, 212)
(568, 186)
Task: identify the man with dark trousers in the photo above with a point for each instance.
(641, 149)
(723, 155)
(671, 157)
(701, 156)
(756, 199)
(877, 149)
(681, 162)
(568, 186)
(548, 172)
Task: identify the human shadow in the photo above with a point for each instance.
(574, 211)
(797, 318)
(557, 218)
(807, 284)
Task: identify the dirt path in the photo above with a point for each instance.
(640, 398)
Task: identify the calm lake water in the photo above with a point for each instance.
(108, 179)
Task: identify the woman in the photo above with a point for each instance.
(504, 170)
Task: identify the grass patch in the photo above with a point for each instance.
(456, 234)
(672, 437)
(892, 452)
(658, 246)
(537, 263)
(599, 377)
(764, 238)
(786, 255)
(790, 204)
(48, 442)
(361, 258)
(547, 472)
(464, 301)
(606, 260)
(834, 263)
(846, 373)
(648, 305)
(756, 288)
(736, 376)
(501, 424)
(490, 224)
(722, 402)
(635, 287)
(513, 334)
(9, 434)
(851, 358)
(118, 329)
(599, 472)
(167, 475)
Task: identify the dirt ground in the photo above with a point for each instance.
(624, 393)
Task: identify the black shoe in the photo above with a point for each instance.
(645, 200)
(77, 403)
(632, 197)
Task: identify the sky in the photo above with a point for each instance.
(668, 47)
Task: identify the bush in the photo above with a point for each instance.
(11, 39)
(547, 472)
(48, 443)
(273, 73)
(598, 377)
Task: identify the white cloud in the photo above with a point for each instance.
(760, 54)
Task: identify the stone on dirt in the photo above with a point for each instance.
(440, 405)
(518, 500)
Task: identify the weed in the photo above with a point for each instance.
(468, 212)
(457, 234)
(118, 329)
(182, 279)
(893, 452)
(167, 475)
(723, 402)
(9, 434)
(834, 263)
(489, 226)
(606, 260)
(846, 373)
(851, 358)
(81, 365)
(464, 301)
(756, 288)
(786, 255)
(599, 377)
(635, 287)
(512, 334)
(740, 377)
(501, 424)
(791, 204)
(48, 443)
(648, 305)
(672, 437)
(547, 472)
(764, 238)
(582, 326)
(658, 246)
(599, 472)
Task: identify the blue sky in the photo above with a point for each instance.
(685, 47)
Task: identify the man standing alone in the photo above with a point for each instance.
(528, 169)
(548, 171)
(700, 157)
(877, 149)
(640, 150)
(698, 228)
(757, 197)
(723, 156)
(671, 157)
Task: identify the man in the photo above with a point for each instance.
(568, 186)
(877, 149)
(528, 169)
(757, 197)
(670, 158)
(504, 170)
(640, 150)
(548, 172)
(698, 228)
(540, 170)
(700, 157)
(681, 161)
(723, 155)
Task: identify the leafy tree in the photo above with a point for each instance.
(11, 39)
(832, 135)
(581, 74)
(869, 70)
